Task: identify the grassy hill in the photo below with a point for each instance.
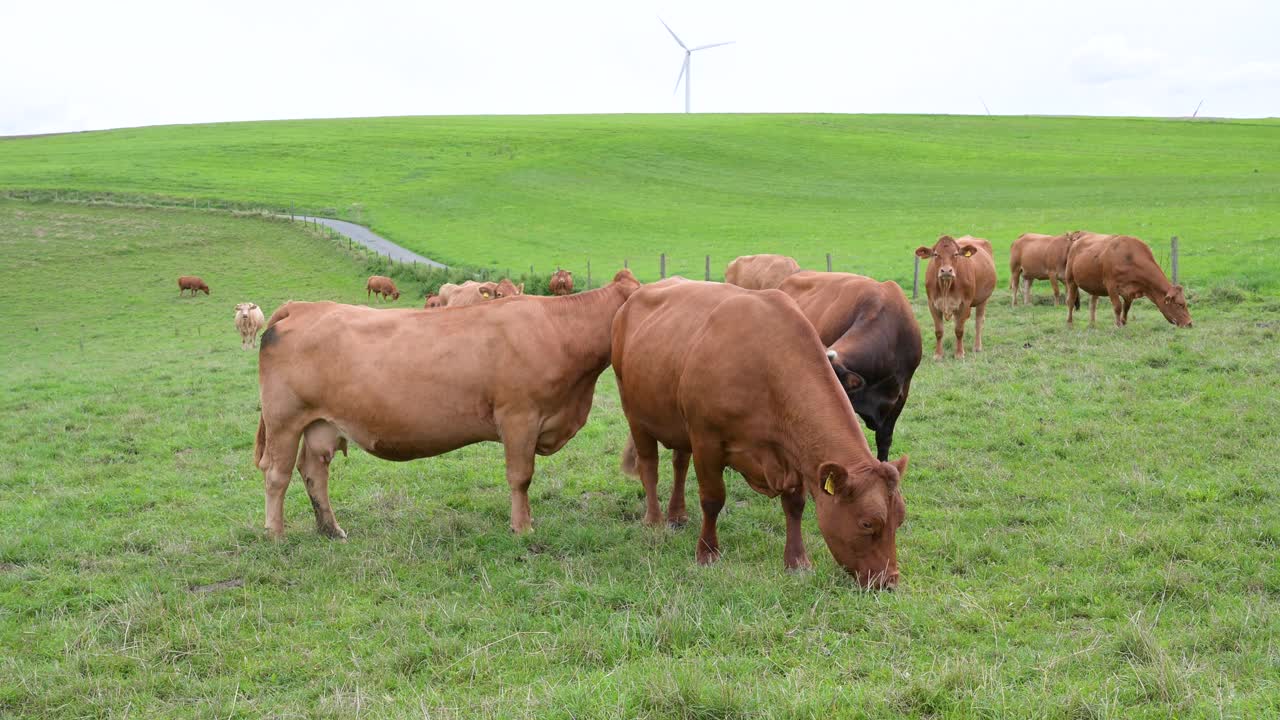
(509, 192)
(1093, 522)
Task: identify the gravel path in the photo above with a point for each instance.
(378, 244)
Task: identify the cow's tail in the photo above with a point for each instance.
(630, 464)
(260, 444)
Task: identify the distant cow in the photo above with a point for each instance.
(249, 322)
(872, 338)
(961, 275)
(381, 286)
(740, 379)
(1122, 268)
(561, 283)
(760, 272)
(433, 301)
(468, 293)
(192, 283)
(406, 384)
(1039, 257)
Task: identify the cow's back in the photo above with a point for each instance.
(760, 272)
(983, 268)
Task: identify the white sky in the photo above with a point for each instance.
(100, 64)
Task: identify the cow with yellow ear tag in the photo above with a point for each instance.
(961, 277)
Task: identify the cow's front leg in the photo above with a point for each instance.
(1053, 281)
(1093, 310)
(519, 442)
(1124, 316)
(960, 318)
(710, 468)
(937, 330)
(1116, 306)
(794, 556)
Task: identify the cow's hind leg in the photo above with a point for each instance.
(709, 465)
(320, 442)
(677, 516)
(277, 469)
(794, 556)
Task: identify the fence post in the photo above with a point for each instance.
(626, 263)
(1173, 257)
(662, 265)
(531, 270)
(915, 281)
(828, 262)
(588, 274)
(708, 268)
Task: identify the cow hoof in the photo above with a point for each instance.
(676, 523)
(707, 556)
(937, 356)
(334, 532)
(801, 565)
(654, 521)
(522, 530)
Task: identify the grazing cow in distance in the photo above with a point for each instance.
(760, 272)
(407, 384)
(1122, 268)
(381, 286)
(192, 283)
(468, 293)
(249, 321)
(780, 419)
(561, 283)
(961, 275)
(872, 339)
(433, 301)
(506, 288)
(1039, 257)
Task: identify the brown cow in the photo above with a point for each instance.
(561, 283)
(249, 322)
(872, 338)
(760, 272)
(192, 283)
(381, 286)
(780, 419)
(961, 275)
(506, 288)
(1122, 268)
(406, 384)
(433, 301)
(1039, 257)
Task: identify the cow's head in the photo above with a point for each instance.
(949, 253)
(850, 381)
(1173, 305)
(1073, 236)
(859, 511)
(506, 288)
(626, 279)
(433, 301)
(243, 309)
(487, 290)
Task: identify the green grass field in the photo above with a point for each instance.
(1093, 516)
(508, 192)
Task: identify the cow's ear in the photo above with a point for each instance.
(901, 466)
(852, 381)
(832, 478)
(484, 293)
(924, 252)
(969, 251)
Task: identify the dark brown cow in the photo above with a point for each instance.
(760, 272)
(192, 283)
(779, 418)
(1122, 268)
(961, 275)
(406, 384)
(381, 286)
(433, 301)
(561, 283)
(1039, 257)
(872, 338)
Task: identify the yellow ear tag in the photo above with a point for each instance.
(829, 486)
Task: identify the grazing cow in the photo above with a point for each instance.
(961, 275)
(561, 283)
(760, 272)
(1039, 257)
(468, 293)
(192, 283)
(433, 301)
(249, 322)
(1122, 268)
(506, 288)
(872, 338)
(381, 286)
(780, 419)
(406, 384)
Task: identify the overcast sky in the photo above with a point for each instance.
(90, 65)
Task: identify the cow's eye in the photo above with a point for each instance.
(868, 525)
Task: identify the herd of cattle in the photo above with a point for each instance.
(484, 362)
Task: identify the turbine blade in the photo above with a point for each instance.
(704, 47)
(683, 67)
(673, 33)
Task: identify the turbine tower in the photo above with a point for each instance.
(688, 53)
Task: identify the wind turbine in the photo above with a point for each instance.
(688, 53)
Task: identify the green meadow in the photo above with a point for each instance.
(509, 193)
(1093, 515)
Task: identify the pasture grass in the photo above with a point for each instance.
(1092, 530)
(513, 192)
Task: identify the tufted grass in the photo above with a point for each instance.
(1093, 526)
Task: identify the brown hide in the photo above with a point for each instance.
(381, 286)
(470, 292)
(1122, 268)
(740, 379)
(561, 283)
(961, 276)
(760, 272)
(192, 283)
(872, 331)
(1039, 257)
(405, 384)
